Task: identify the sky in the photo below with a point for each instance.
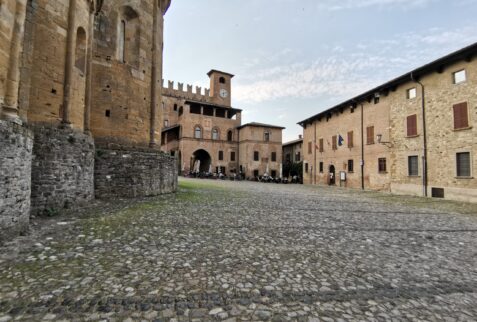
(295, 58)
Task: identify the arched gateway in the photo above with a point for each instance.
(201, 161)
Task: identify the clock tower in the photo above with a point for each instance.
(220, 87)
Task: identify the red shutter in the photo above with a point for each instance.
(461, 118)
(350, 139)
(412, 125)
(370, 134)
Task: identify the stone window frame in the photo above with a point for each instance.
(230, 135)
(298, 156)
(215, 130)
(350, 163)
(273, 156)
(197, 126)
(408, 159)
(456, 73)
(267, 135)
(256, 156)
(461, 151)
(380, 163)
(409, 91)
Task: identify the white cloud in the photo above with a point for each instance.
(349, 71)
(334, 5)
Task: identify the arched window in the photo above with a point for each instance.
(128, 36)
(198, 132)
(266, 136)
(222, 80)
(215, 134)
(80, 50)
(230, 136)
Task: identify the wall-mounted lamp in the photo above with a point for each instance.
(379, 138)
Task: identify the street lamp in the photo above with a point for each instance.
(379, 138)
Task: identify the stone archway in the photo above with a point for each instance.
(204, 158)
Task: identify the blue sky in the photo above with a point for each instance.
(295, 58)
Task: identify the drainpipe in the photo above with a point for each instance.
(314, 162)
(238, 151)
(362, 144)
(424, 134)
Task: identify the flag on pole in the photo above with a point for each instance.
(340, 140)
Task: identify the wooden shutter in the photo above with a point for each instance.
(321, 145)
(412, 125)
(333, 142)
(370, 134)
(350, 139)
(309, 148)
(461, 118)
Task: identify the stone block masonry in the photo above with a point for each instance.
(134, 173)
(16, 144)
(62, 169)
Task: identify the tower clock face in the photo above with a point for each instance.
(223, 93)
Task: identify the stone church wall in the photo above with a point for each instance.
(16, 144)
(121, 104)
(62, 170)
(138, 173)
(43, 62)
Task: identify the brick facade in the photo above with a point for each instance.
(202, 125)
(394, 111)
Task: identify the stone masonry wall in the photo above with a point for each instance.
(15, 167)
(442, 139)
(134, 173)
(43, 63)
(62, 169)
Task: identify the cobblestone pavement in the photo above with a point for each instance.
(247, 251)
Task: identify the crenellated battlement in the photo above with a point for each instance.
(186, 92)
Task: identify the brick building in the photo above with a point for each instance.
(412, 135)
(293, 151)
(206, 133)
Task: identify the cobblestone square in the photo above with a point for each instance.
(241, 251)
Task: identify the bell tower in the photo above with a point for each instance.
(221, 87)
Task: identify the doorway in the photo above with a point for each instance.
(200, 161)
(332, 176)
